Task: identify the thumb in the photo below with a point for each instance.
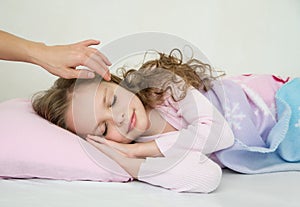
(83, 74)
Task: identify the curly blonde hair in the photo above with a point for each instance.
(166, 75)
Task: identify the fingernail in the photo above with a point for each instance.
(91, 75)
(109, 78)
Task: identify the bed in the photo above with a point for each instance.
(275, 189)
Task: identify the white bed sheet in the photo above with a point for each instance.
(276, 189)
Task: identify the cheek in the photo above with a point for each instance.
(125, 97)
(116, 135)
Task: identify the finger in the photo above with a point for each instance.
(89, 42)
(94, 51)
(113, 144)
(70, 73)
(102, 70)
(67, 73)
(97, 55)
(121, 148)
(98, 67)
(96, 144)
(110, 152)
(90, 140)
(96, 138)
(103, 57)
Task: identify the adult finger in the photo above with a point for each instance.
(98, 56)
(77, 73)
(98, 67)
(102, 57)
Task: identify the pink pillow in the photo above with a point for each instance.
(31, 147)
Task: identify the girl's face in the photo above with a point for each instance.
(107, 110)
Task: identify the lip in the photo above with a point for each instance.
(132, 122)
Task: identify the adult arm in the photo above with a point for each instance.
(60, 60)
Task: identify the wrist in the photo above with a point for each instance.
(136, 150)
(35, 53)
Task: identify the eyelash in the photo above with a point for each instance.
(114, 101)
(105, 124)
(105, 129)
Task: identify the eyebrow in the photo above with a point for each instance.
(103, 102)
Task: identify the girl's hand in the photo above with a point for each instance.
(136, 150)
(130, 165)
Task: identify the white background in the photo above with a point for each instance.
(238, 36)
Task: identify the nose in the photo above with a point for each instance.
(118, 118)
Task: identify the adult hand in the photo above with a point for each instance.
(60, 60)
(63, 60)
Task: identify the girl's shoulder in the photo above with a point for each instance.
(189, 93)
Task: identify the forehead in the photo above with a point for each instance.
(82, 116)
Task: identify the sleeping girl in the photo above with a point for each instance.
(175, 124)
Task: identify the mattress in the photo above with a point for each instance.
(275, 189)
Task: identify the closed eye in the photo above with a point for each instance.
(105, 130)
(113, 101)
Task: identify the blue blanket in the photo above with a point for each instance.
(278, 147)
